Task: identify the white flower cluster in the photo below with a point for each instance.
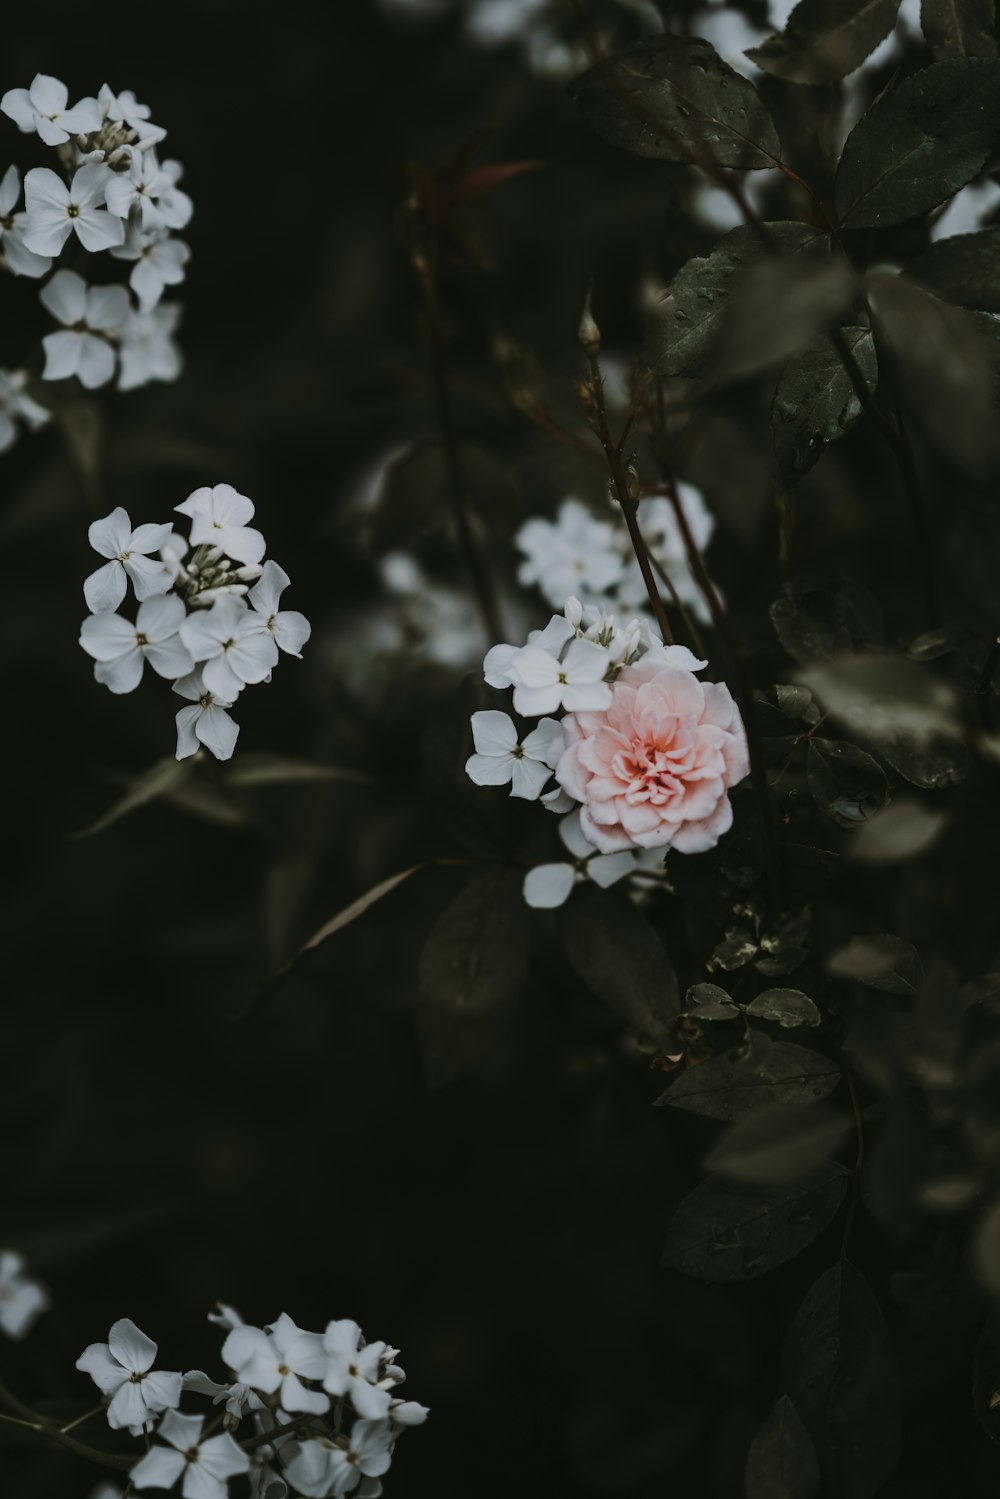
(323, 1410)
(209, 618)
(578, 553)
(22, 1298)
(111, 192)
(569, 665)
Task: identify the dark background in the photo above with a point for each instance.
(156, 1151)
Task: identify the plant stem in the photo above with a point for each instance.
(266, 1438)
(58, 1438)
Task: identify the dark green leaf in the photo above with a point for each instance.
(709, 1002)
(815, 402)
(688, 323)
(159, 780)
(777, 1145)
(884, 697)
(919, 143)
(616, 953)
(726, 1232)
(674, 99)
(838, 1368)
(846, 784)
(882, 962)
(730, 1087)
(903, 831)
(932, 763)
(986, 1250)
(782, 304)
(788, 1007)
(964, 269)
(820, 623)
(824, 42)
(940, 359)
(281, 770)
(959, 28)
(782, 1461)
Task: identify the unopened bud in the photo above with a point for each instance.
(588, 333)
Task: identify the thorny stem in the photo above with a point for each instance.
(58, 1438)
(629, 508)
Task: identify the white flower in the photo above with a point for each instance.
(129, 553)
(123, 1368)
(147, 350)
(321, 1467)
(576, 553)
(498, 660)
(238, 1398)
(543, 683)
(548, 885)
(205, 721)
(42, 108)
(21, 260)
(86, 313)
(499, 758)
(272, 1360)
(22, 1299)
(125, 109)
(408, 1413)
(226, 1316)
(289, 629)
(175, 206)
(15, 402)
(205, 1465)
(219, 518)
(56, 211)
(159, 262)
(353, 1369)
(140, 188)
(664, 540)
(229, 641)
(121, 648)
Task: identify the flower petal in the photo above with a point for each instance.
(548, 885)
(105, 589)
(132, 1348)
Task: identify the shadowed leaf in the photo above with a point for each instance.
(777, 1145)
(782, 1461)
(774, 1072)
(846, 784)
(882, 962)
(616, 953)
(787, 1007)
(959, 28)
(964, 269)
(824, 42)
(815, 402)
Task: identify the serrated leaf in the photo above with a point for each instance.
(847, 785)
(964, 269)
(787, 1007)
(815, 402)
(959, 28)
(838, 1368)
(709, 1002)
(777, 1145)
(882, 962)
(904, 830)
(774, 1072)
(824, 42)
(941, 361)
(673, 98)
(687, 325)
(616, 953)
(727, 1232)
(782, 1461)
(919, 143)
(165, 776)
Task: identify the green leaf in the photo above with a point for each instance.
(688, 323)
(904, 830)
(672, 98)
(882, 962)
(824, 42)
(884, 696)
(964, 269)
(709, 1002)
(616, 953)
(787, 1007)
(472, 969)
(357, 908)
(777, 1145)
(730, 1087)
(782, 1461)
(782, 304)
(838, 1368)
(726, 1232)
(280, 770)
(919, 143)
(846, 784)
(941, 362)
(933, 761)
(959, 28)
(165, 776)
(815, 402)
(818, 623)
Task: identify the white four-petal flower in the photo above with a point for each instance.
(230, 643)
(123, 1368)
(549, 885)
(42, 108)
(113, 537)
(121, 648)
(289, 629)
(205, 721)
(205, 1466)
(277, 1359)
(353, 1368)
(543, 683)
(13, 227)
(55, 210)
(499, 757)
(219, 518)
(87, 313)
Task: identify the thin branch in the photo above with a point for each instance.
(57, 1438)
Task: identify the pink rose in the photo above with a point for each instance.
(653, 770)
